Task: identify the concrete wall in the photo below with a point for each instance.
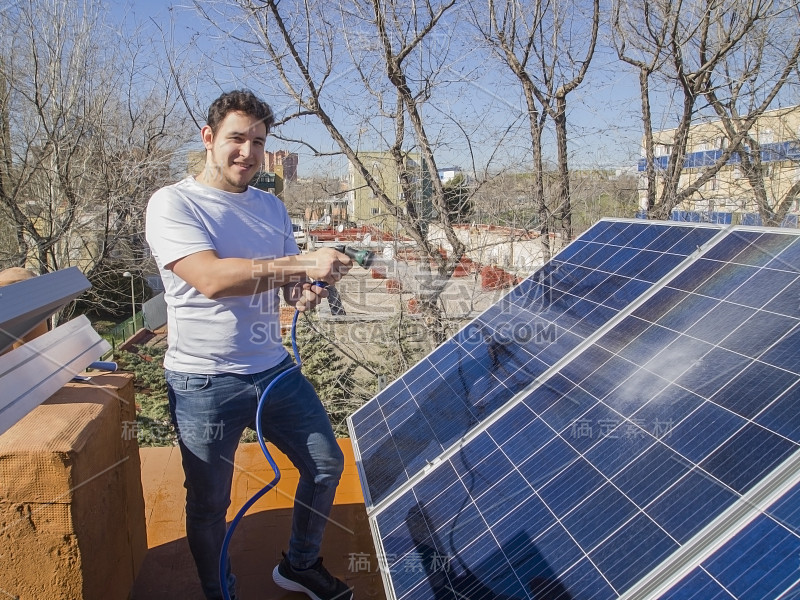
(513, 249)
(72, 520)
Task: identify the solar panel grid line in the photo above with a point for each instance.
(518, 397)
(718, 531)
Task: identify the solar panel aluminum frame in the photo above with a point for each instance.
(30, 374)
(721, 529)
(27, 303)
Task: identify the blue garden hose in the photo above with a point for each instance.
(223, 557)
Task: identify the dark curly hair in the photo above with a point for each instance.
(243, 101)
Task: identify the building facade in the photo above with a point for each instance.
(282, 163)
(729, 197)
(366, 207)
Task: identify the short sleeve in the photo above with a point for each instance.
(172, 229)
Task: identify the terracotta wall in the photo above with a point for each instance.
(72, 523)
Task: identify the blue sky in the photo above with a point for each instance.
(604, 125)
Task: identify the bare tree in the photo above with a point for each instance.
(88, 130)
(395, 58)
(647, 52)
(548, 46)
(735, 54)
(744, 87)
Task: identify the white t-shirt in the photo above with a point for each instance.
(230, 335)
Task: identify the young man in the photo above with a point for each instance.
(224, 251)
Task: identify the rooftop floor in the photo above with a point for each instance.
(168, 571)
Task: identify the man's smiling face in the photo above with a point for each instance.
(235, 152)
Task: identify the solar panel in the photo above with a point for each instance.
(479, 370)
(641, 460)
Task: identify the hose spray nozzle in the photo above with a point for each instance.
(362, 258)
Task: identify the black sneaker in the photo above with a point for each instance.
(315, 581)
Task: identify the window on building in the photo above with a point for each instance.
(375, 211)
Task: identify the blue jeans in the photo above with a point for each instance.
(210, 412)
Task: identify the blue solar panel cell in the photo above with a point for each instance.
(639, 263)
(733, 245)
(613, 263)
(528, 437)
(686, 507)
(782, 415)
(564, 491)
(643, 343)
(626, 294)
(758, 333)
(659, 415)
(616, 442)
(747, 456)
(651, 473)
(660, 303)
(789, 259)
(660, 267)
(708, 329)
(784, 354)
(687, 312)
(726, 280)
(761, 248)
(565, 411)
(581, 581)
(702, 431)
(646, 236)
(701, 271)
(547, 462)
(712, 371)
(763, 287)
(599, 516)
(749, 392)
(633, 552)
(604, 232)
(685, 240)
(787, 302)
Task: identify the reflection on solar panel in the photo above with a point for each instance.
(624, 423)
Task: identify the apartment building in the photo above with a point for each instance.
(729, 197)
